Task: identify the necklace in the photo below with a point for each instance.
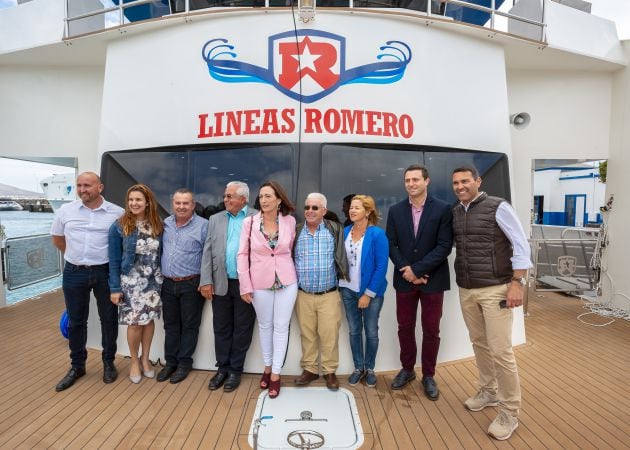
(354, 247)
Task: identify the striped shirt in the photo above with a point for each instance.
(183, 246)
(315, 260)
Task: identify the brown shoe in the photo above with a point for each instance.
(306, 378)
(332, 382)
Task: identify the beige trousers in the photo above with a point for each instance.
(320, 319)
(490, 330)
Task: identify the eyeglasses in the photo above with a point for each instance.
(314, 208)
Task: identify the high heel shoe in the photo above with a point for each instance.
(264, 380)
(149, 373)
(274, 388)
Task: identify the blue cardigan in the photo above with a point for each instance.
(374, 259)
(122, 254)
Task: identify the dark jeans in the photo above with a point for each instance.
(431, 313)
(78, 282)
(359, 320)
(182, 306)
(233, 323)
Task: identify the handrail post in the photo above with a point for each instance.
(187, 6)
(429, 7)
(121, 13)
(66, 26)
(494, 8)
(543, 19)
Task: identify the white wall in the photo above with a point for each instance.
(616, 280)
(51, 111)
(570, 116)
(30, 24)
(554, 187)
(453, 86)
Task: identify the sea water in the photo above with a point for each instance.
(20, 224)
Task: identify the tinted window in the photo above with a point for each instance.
(204, 171)
(379, 172)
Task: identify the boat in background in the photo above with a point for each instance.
(9, 205)
(59, 189)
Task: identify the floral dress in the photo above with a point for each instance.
(142, 285)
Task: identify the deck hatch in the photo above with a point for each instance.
(313, 417)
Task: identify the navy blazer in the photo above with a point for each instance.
(427, 252)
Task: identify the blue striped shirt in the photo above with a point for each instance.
(315, 260)
(235, 224)
(183, 246)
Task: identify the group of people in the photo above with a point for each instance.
(260, 264)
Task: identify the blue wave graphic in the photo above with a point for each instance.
(223, 65)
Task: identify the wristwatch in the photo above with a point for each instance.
(520, 280)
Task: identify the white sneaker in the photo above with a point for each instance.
(503, 426)
(481, 400)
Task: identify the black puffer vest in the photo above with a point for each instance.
(483, 251)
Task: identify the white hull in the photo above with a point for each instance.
(55, 204)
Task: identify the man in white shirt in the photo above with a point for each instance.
(80, 230)
(492, 259)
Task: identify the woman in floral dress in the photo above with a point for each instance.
(135, 279)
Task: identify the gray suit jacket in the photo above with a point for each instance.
(213, 261)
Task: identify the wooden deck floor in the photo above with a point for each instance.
(575, 382)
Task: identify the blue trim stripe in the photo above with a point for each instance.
(590, 175)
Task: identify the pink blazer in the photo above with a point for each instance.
(257, 266)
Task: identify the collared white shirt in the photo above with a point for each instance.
(508, 222)
(86, 231)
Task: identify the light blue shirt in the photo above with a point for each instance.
(86, 231)
(235, 224)
(315, 260)
(183, 246)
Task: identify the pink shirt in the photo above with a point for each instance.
(416, 213)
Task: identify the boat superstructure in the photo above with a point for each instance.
(338, 103)
(59, 189)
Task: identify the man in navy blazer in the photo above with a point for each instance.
(420, 240)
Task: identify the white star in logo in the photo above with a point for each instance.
(307, 59)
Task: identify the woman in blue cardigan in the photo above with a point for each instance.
(368, 252)
(135, 279)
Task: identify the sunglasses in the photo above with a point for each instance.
(314, 208)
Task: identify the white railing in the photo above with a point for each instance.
(119, 11)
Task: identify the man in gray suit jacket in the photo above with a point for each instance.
(233, 320)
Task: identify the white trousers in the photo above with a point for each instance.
(273, 311)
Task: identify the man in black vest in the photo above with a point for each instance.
(491, 264)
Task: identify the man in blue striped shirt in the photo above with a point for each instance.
(320, 260)
(182, 303)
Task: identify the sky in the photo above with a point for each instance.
(27, 175)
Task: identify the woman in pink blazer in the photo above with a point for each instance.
(267, 277)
